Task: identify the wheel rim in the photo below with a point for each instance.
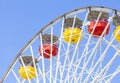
(89, 60)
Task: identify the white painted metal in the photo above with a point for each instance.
(83, 62)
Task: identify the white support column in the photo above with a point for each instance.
(51, 44)
(15, 76)
(33, 61)
(43, 66)
(67, 52)
(59, 51)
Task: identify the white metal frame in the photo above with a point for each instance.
(66, 69)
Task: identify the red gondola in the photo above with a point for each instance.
(100, 26)
(47, 51)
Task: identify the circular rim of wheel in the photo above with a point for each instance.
(98, 8)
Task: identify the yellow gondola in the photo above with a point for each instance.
(117, 33)
(27, 72)
(72, 35)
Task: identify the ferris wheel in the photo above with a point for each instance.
(81, 46)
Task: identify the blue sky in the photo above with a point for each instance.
(21, 19)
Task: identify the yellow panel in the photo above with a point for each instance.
(117, 31)
(72, 35)
(30, 71)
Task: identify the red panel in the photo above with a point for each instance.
(46, 49)
(99, 28)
